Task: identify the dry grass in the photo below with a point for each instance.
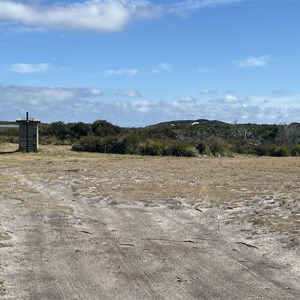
(261, 191)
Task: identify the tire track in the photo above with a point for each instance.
(101, 251)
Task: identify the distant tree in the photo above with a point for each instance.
(59, 129)
(104, 128)
(80, 129)
(288, 134)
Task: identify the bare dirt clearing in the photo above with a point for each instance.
(94, 226)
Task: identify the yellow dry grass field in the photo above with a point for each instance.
(262, 192)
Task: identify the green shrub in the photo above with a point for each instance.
(264, 150)
(296, 150)
(10, 132)
(112, 144)
(183, 149)
(98, 144)
(281, 151)
(153, 147)
(244, 147)
(132, 144)
(104, 128)
(88, 143)
(163, 132)
(220, 149)
(79, 129)
(59, 129)
(203, 148)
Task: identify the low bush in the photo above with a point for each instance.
(88, 143)
(112, 144)
(98, 144)
(281, 151)
(296, 150)
(183, 149)
(132, 144)
(244, 147)
(10, 132)
(9, 139)
(52, 140)
(264, 150)
(221, 149)
(203, 148)
(153, 147)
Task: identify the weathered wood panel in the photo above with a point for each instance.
(33, 136)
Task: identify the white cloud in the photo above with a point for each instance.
(16, 96)
(206, 92)
(129, 93)
(163, 67)
(87, 15)
(95, 92)
(192, 5)
(129, 72)
(231, 99)
(187, 100)
(254, 61)
(94, 15)
(142, 106)
(30, 68)
(143, 9)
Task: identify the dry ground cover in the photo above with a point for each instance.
(258, 197)
(261, 191)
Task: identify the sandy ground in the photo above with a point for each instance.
(94, 226)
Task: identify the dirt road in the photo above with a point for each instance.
(62, 238)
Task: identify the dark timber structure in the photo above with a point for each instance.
(28, 134)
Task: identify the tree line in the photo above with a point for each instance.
(178, 138)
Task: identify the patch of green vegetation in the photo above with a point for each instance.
(177, 138)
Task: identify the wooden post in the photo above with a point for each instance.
(27, 133)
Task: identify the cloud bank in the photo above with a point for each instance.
(82, 104)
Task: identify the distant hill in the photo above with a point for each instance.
(190, 122)
(214, 122)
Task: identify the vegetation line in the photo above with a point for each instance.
(178, 138)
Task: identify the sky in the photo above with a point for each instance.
(140, 62)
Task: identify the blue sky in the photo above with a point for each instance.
(139, 62)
